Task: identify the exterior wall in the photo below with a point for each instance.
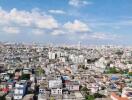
(52, 55)
(55, 83)
(73, 87)
(42, 91)
(56, 91)
(26, 71)
(32, 78)
(126, 91)
(19, 91)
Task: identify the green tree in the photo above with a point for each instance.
(52, 98)
(97, 95)
(40, 71)
(89, 97)
(130, 73)
(25, 77)
(112, 70)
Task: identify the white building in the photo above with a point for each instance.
(56, 91)
(52, 55)
(77, 59)
(81, 59)
(72, 85)
(127, 92)
(127, 53)
(55, 83)
(94, 88)
(74, 68)
(11, 71)
(58, 54)
(62, 59)
(26, 70)
(32, 78)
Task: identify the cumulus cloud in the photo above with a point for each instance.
(76, 26)
(103, 36)
(58, 32)
(11, 30)
(99, 36)
(27, 18)
(39, 23)
(37, 32)
(57, 12)
(78, 3)
(70, 28)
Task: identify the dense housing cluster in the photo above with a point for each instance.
(44, 72)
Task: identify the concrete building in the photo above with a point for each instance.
(20, 90)
(55, 83)
(56, 91)
(127, 92)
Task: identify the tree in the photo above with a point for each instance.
(119, 52)
(112, 70)
(52, 98)
(40, 71)
(130, 73)
(85, 90)
(25, 77)
(89, 97)
(97, 95)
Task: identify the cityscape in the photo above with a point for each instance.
(65, 50)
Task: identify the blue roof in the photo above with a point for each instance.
(66, 77)
(114, 78)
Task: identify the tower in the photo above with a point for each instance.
(79, 45)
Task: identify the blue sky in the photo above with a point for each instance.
(66, 21)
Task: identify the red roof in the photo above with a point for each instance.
(114, 95)
(5, 90)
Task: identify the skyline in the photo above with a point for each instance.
(66, 21)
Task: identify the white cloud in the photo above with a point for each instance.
(78, 3)
(99, 36)
(37, 32)
(57, 12)
(11, 30)
(58, 32)
(104, 36)
(76, 26)
(84, 36)
(24, 18)
(39, 23)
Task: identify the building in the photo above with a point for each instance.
(20, 90)
(72, 85)
(114, 96)
(127, 92)
(56, 91)
(55, 83)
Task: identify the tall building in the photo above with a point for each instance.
(79, 45)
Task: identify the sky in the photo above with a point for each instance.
(66, 21)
